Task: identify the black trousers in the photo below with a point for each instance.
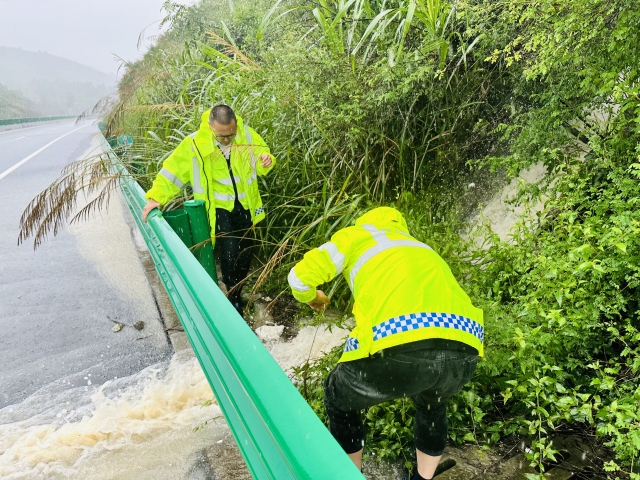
(234, 242)
(429, 376)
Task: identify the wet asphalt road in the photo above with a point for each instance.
(56, 303)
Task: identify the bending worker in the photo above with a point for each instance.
(417, 333)
(221, 161)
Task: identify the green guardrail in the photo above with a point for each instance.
(13, 121)
(278, 434)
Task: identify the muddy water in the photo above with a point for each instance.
(140, 426)
(135, 427)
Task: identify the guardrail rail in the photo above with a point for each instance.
(15, 121)
(278, 434)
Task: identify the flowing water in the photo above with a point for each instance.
(135, 427)
(86, 424)
(140, 426)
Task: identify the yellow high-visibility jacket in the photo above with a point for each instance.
(403, 290)
(199, 161)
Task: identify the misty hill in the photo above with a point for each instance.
(14, 104)
(53, 85)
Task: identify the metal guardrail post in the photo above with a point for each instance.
(179, 222)
(201, 236)
(278, 434)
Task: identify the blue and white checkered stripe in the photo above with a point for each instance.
(352, 344)
(413, 321)
(259, 211)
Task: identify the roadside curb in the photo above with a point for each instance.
(166, 313)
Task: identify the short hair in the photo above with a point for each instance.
(223, 114)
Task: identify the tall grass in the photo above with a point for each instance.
(361, 102)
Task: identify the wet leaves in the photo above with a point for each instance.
(139, 325)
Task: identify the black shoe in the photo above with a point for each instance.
(410, 474)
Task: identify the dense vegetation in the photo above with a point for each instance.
(406, 103)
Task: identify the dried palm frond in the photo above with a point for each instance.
(101, 108)
(117, 107)
(49, 210)
(158, 107)
(106, 185)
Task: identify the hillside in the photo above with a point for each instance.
(53, 85)
(14, 104)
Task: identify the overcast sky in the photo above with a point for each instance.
(87, 31)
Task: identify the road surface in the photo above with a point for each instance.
(57, 303)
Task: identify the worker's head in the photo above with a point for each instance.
(223, 124)
(386, 217)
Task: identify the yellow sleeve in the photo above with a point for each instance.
(175, 174)
(319, 266)
(259, 147)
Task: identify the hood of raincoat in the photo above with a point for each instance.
(384, 217)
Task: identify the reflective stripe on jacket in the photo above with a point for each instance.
(403, 290)
(199, 161)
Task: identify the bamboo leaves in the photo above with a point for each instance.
(374, 30)
(405, 25)
(269, 20)
(331, 23)
(367, 29)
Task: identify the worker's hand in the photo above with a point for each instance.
(320, 302)
(265, 158)
(151, 204)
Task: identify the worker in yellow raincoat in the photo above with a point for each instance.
(222, 162)
(417, 333)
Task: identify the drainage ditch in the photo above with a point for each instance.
(576, 460)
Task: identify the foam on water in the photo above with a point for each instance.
(136, 427)
(310, 343)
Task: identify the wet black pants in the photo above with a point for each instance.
(428, 376)
(234, 242)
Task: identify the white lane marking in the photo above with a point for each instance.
(25, 160)
(24, 136)
(16, 130)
